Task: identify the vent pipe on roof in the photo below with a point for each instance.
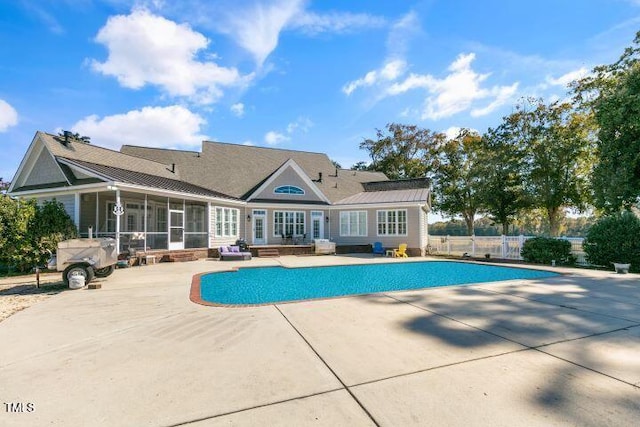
(173, 168)
(319, 180)
(67, 137)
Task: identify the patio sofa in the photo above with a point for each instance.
(228, 253)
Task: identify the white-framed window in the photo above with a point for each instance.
(392, 222)
(289, 189)
(226, 222)
(353, 223)
(288, 223)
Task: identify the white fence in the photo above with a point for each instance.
(506, 247)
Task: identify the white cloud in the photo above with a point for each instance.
(169, 127)
(257, 28)
(8, 116)
(401, 33)
(334, 22)
(388, 72)
(567, 78)
(275, 138)
(501, 94)
(148, 49)
(453, 131)
(456, 92)
(302, 124)
(256, 25)
(394, 65)
(45, 17)
(238, 109)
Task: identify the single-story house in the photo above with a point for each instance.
(163, 199)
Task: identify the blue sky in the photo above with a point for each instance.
(307, 75)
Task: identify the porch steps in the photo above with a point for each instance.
(268, 252)
(182, 256)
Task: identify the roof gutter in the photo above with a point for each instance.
(420, 203)
(160, 192)
(63, 190)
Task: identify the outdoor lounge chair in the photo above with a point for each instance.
(401, 252)
(233, 252)
(378, 249)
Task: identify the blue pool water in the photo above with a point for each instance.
(262, 285)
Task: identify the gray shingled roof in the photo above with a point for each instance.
(420, 195)
(144, 179)
(94, 154)
(238, 170)
(398, 184)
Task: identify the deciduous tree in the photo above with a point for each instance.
(612, 94)
(559, 156)
(403, 151)
(457, 177)
(503, 160)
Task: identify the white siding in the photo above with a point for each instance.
(412, 238)
(215, 241)
(288, 177)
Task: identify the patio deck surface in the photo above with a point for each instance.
(558, 351)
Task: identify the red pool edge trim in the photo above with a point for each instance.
(195, 295)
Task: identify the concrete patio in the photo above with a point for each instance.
(559, 351)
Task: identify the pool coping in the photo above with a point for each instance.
(195, 294)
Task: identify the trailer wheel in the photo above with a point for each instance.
(75, 269)
(106, 271)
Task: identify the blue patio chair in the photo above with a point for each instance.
(378, 249)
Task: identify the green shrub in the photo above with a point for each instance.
(543, 250)
(28, 232)
(614, 238)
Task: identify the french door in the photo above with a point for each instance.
(317, 225)
(259, 227)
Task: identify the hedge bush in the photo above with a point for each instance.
(614, 238)
(29, 232)
(543, 250)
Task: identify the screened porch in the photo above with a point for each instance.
(144, 221)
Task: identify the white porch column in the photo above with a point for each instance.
(97, 214)
(118, 221)
(145, 222)
(209, 230)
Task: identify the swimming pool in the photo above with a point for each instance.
(265, 285)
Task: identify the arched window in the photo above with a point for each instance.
(289, 189)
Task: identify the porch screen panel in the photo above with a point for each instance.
(157, 224)
(195, 226)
